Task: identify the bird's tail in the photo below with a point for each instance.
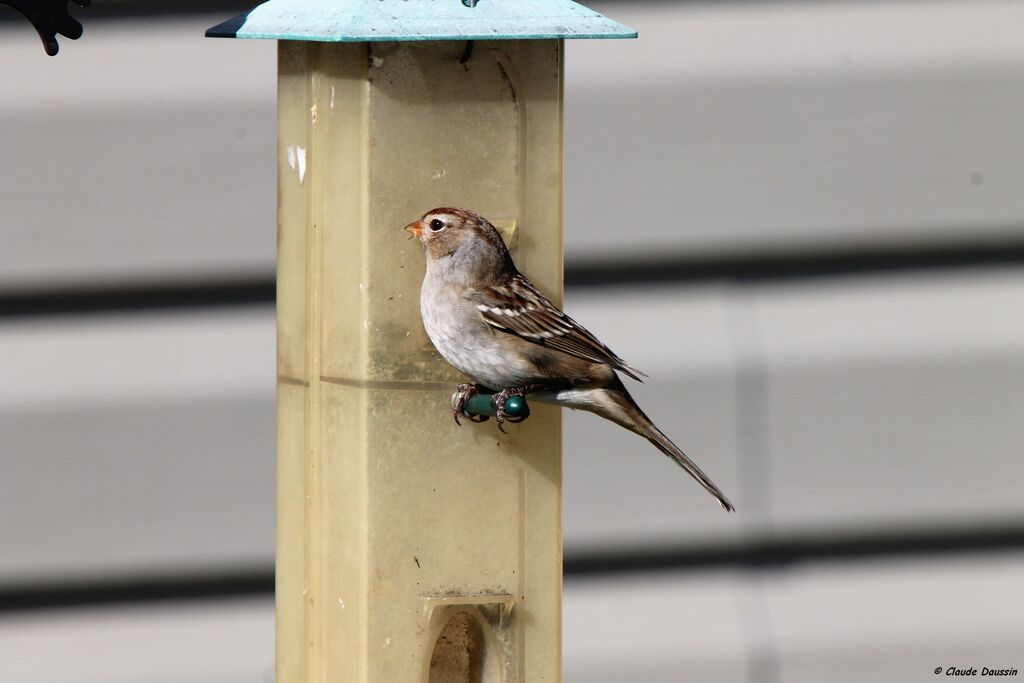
(618, 406)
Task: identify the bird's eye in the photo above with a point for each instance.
(436, 224)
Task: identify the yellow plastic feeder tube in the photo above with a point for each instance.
(410, 549)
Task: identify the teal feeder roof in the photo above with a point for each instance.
(357, 21)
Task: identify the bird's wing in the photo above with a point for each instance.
(518, 308)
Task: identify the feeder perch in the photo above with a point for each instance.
(480, 404)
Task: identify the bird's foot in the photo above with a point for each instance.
(498, 401)
(462, 395)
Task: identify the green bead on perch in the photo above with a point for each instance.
(480, 405)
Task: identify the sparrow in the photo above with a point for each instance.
(488, 321)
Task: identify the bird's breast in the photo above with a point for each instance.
(460, 335)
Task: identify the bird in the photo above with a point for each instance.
(487, 320)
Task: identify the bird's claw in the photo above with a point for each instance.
(498, 401)
(462, 395)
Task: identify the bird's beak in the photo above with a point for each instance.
(415, 229)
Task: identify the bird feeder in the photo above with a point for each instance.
(409, 548)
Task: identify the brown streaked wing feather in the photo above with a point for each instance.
(518, 308)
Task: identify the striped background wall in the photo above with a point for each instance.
(805, 220)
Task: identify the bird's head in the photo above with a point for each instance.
(464, 238)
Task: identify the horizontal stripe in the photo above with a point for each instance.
(775, 553)
(738, 268)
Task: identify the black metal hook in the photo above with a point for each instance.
(50, 17)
